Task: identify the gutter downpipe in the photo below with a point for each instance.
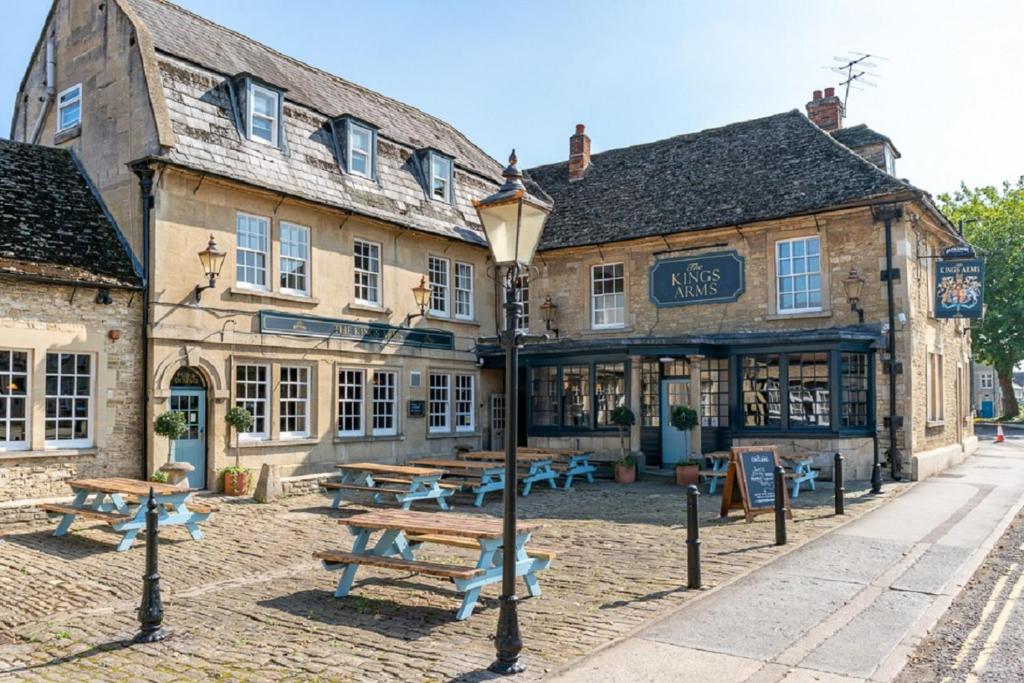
(51, 90)
(888, 213)
(145, 175)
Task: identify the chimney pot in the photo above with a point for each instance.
(816, 95)
(826, 112)
(579, 153)
(830, 92)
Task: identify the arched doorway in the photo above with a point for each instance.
(188, 396)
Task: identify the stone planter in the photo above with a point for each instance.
(236, 483)
(625, 474)
(177, 473)
(687, 474)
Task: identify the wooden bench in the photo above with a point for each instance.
(202, 508)
(450, 571)
(108, 517)
(337, 485)
(457, 542)
(399, 480)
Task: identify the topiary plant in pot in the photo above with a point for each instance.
(625, 467)
(683, 418)
(236, 479)
(172, 425)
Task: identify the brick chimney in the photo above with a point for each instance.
(579, 153)
(827, 111)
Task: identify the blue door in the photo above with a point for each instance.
(988, 409)
(675, 445)
(191, 447)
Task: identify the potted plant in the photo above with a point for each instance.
(172, 425)
(158, 477)
(236, 479)
(687, 472)
(625, 467)
(683, 418)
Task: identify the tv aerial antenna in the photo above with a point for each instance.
(855, 68)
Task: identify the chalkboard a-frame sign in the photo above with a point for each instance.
(750, 481)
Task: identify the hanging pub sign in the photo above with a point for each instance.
(959, 288)
(703, 279)
(368, 333)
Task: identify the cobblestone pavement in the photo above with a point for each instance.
(249, 603)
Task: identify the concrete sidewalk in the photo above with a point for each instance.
(850, 606)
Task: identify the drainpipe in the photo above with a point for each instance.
(51, 89)
(145, 174)
(888, 213)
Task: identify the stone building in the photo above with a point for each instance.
(70, 332)
(331, 202)
(717, 270)
(988, 396)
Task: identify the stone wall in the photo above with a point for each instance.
(39, 318)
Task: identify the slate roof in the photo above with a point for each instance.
(196, 58)
(862, 136)
(767, 168)
(53, 224)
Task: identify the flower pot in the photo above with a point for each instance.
(687, 475)
(625, 474)
(236, 483)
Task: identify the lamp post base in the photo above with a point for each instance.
(508, 641)
(150, 636)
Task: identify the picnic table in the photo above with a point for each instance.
(537, 466)
(798, 471)
(406, 484)
(406, 531)
(576, 463)
(480, 477)
(121, 503)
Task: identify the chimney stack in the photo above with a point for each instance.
(827, 111)
(579, 153)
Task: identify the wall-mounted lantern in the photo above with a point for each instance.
(549, 310)
(212, 260)
(421, 294)
(853, 284)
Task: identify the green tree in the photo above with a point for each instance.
(993, 221)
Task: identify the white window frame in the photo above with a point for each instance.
(359, 402)
(446, 427)
(439, 292)
(807, 273)
(987, 380)
(446, 179)
(392, 402)
(595, 298)
(63, 105)
(935, 388)
(90, 397)
(275, 120)
(265, 401)
(463, 290)
(372, 276)
(304, 402)
(284, 226)
(459, 401)
(352, 150)
(239, 249)
(6, 444)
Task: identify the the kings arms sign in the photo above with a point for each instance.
(703, 279)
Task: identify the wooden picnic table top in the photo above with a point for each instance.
(378, 468)
(440, 523)
(564, 452)
(453, 464)
(131, 487)
(499, 456)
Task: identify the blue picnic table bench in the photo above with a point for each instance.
(571, 463)
(405, 484)
(405, 532)
(120, 503)
(480, 478)
(798, 471)
(534, 467)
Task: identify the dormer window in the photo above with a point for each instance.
(440, 177)
(360, 150)
(264, 114)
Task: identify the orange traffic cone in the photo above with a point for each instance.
(999, 435)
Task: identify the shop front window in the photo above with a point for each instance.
(760, 384)
(809, 392)
(714, 392)
(650, 394)
(855, 389)
(609, 390)
(544, 396)
(576, 396)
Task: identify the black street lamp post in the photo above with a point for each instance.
(513, 221)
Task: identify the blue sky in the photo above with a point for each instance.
(524, 73)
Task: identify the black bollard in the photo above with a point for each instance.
(692, 538)
(876, 469)
(151, 611)
(780, 505)
(840, 484)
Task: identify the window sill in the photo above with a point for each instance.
(609, 330)
(453, 435)
(368, 439)
(69, 134)
(460, 321)
(48, 453)
(277, 296)
(368, 308)
(276, 443)
(799, 316)
(934, 424)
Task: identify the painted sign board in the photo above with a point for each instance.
(369, 333)
(750, 481)
(959, 288)
(417, 408)
(702, 279)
